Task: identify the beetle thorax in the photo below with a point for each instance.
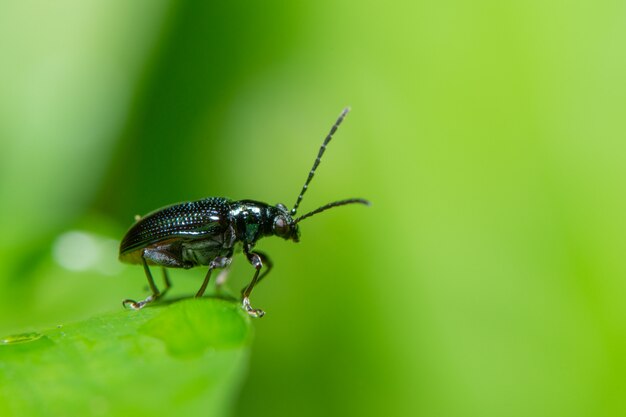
(254, 219)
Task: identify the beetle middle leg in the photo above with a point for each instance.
(218, 262)
(257, 259)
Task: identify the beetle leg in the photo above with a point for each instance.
(136, 305)
(256, 259)
(166, 281)
(267, 263)
(219, 262)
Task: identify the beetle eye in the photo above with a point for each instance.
(281, 227)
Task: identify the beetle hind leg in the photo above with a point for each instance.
(137, 305)
(166, 282)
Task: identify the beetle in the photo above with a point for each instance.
(208, 231)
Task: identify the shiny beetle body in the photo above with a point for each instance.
(206, 232)
(195, 233)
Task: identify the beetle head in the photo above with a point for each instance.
(283, 224)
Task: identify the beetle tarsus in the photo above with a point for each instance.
(253, 312)
(138, 305)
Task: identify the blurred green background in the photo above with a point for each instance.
(488, 276)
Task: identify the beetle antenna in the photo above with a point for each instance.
(331, 205)
(317, 160)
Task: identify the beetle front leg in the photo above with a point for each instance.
(256, 259)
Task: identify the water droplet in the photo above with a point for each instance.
(20, 338)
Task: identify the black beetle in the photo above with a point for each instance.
(206, 232)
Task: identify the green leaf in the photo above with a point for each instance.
(186, 358)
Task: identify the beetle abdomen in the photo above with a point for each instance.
(192, 220)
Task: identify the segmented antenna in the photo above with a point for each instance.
(317, 160)
(331, 205)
